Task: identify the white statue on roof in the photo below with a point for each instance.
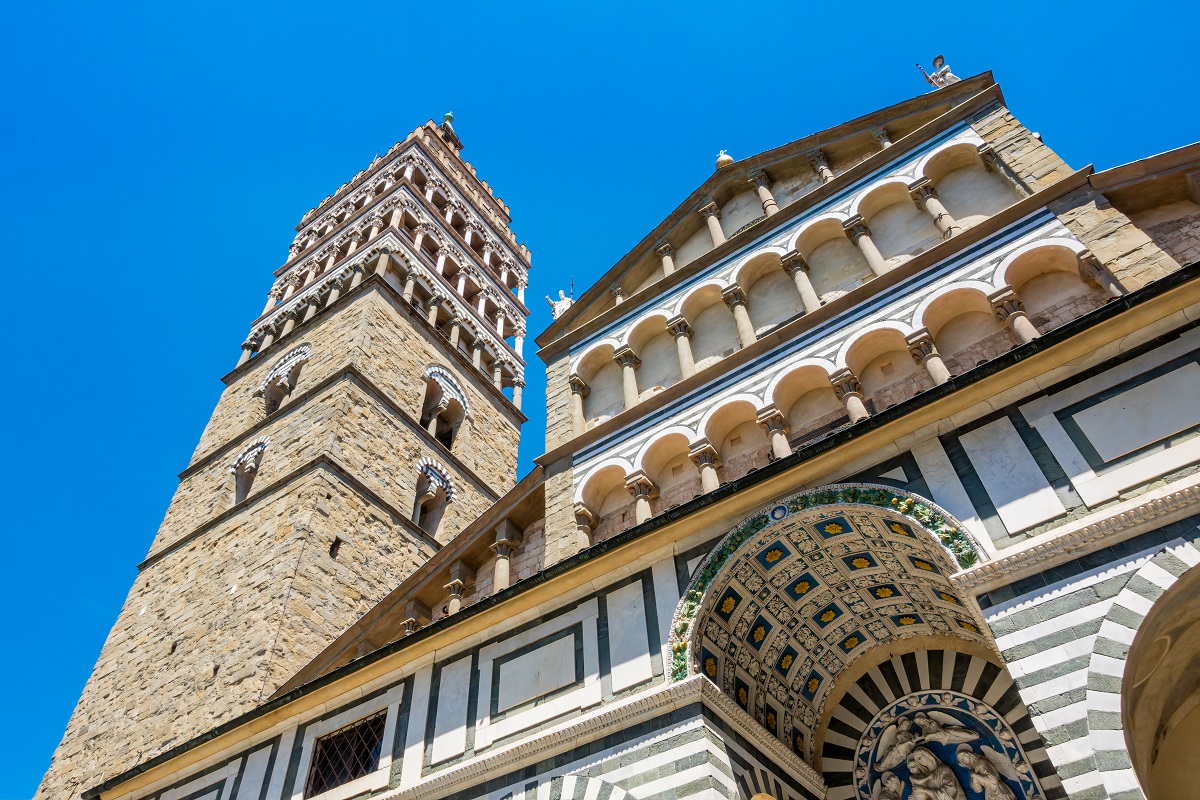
(559, 307)
(941, 76)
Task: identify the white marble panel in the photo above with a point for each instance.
(666, 598)
(255, 773)
(1142, 415)
(628, 639)
(414, 740)
(450, 720)
(947, 489)
(1014, 482)
(536, 672)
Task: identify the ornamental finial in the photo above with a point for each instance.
(723, 159)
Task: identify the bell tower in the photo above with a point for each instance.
(374, 412)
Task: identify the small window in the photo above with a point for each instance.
(345, 755)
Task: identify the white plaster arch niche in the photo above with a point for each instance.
(650, 340)
(836, 265)
(771, 294)
(604, 494)
(602, 376)
(969, 190)
(964, 329)
(714, 332)
(803, 393)
(731, 426)
(665, 460)
(898, 227)
(1045, 276)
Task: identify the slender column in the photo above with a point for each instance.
(925, 196)
(856, 228)
(735, 298)
(455, 331)
(763, 186)
(449, 215)
(462, 575)
(462, 282)
(881, 136)
(436, 412)
(247, 351)
(820, 165)
(850, 392)
(477, 353)
(435, 304)
(508, 538)
(335, 288)
(1094, 274)
(289, 321)
(579, 390)
(925, 353)
(707, 459)
(454, 602)
(314, 305)
(712, 216)
(498, 375)
(268, 339)
(518, 385)
(482, 305)
(682, 331)
(357, 276)
(1011, 311)
(375, 224)
(618, 293)
(795, 266)
(629, 362)
(294, 281)
(501, 318)
(440, 266)
(353, 241)
(521, 286)
(519, 339)
(330, 259)
(643, 491)
(585, 523)
(272, 298)
(419, 238)
(410, 286)
(775, 424)
(667, 255)
(382, 263)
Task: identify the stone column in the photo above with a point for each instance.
(735, 298)
(435, 304)
(247, 351)
(667, 254)
(435, 412)
(440, 266)
(925, 196)
(1011, 311)
(482, 304)
(477, 353)
(521, 286)
(712, 216)
(335, 288)
(629, 362)
(501, 318)
(682, 331)
(820, 165)
(579, 390)
(643, 491)
(419, 507)
(455, 330)
(925, 353)
(289, 320)
(707, 459)
(1094, 274)
(585, 523)
(382, 263)
(292, 283)
(272, 298)
(850, 392)
(508, 538)
(268, 338)
(374, 225)
(762, 185)
(795, 266)
(313, 306)
(618, 294)
(462, 283)
(353, 241)
(519, 340)
(356, 276)
(518, 385)
(881, 136)
(856, 228)
(330, 259)
(775, 424)
(498, 375)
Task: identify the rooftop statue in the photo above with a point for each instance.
(559, 307)
(942, 76)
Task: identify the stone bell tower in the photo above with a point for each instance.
(374, 412)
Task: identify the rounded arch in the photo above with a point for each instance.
(250, 455)
(438, 475)
(1016, 265)
(449, 385)
(700, 297)
(921, 318)
(669, 434)
(948, 156)
(790, 368)
(597, 478)
(595, 356)
(646, 327)
(817, 231)
(719, 414)
(749, 268)
(867, 334)
(879, 195)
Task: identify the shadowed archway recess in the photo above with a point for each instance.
(792, 596)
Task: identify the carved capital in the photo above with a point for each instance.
(817, 160)
(617, 291)
(794, 261)
(845, 383)
(702, 453)
(710, 210)
(920, 345)
(297, 278)
(856, 227)
(921, 190)
(881, 136)
(760, 180)
(640, 485)
(507, 535)
(1006, 303)
(772, 419)
(733, 295)
(625, 357)
(584, 517)
(664, 250)
(579, 386)
(678, 326)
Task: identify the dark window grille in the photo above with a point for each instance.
(346, 754)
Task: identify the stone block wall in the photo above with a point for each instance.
(211, 630)
(558, 401)
(1180, 237)
(1036, 164)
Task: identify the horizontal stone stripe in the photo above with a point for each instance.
(1050, 628)
(634, 763)
(1062, 716)
(1111, 760)
(1077, 786)
(1056, 636)
(1069, 691)
(1156, 573)
(1053, 669)
(675, 782)
(1036, 694)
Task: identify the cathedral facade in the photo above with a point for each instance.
(872, 472)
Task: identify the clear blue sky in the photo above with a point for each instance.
(156, 158)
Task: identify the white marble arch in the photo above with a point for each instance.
(880, 185)
(679, 305)
(577, 360)
(648, 318)
(1000, 277)
(722, 405)
(967, 139)
(918, 315)
(788, 367)
(793, 242)
(582, 485)
(900, 326)
(740, 267)
(658, 436)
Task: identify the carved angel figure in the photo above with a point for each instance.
(895, 743)
(889, 788)
(986, 771)
(558, 307)
(942, 728)
(931, 779)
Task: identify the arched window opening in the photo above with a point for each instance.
(280, 380)
(245, 469)
(435, 491)
(445, 406)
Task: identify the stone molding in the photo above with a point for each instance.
(610, 719)
(1061, 544)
